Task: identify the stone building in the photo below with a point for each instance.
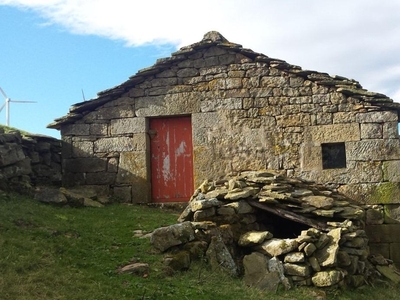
(214, 108)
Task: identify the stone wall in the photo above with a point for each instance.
(272, 230)
(248, 111)
(29, 160)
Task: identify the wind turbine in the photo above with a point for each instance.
(6, 104)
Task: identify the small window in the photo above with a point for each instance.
(333, 156)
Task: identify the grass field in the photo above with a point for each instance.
(49, 252)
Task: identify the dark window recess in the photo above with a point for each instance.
(333, 156)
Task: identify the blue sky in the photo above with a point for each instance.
(51, 50)
(51, 66)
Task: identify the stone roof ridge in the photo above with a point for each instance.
(214, 36)
(349, 87)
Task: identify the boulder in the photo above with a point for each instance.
(81, 197)
(275, 265)
(203, 204)
(196, 249)
(220, 258)
(87, 202)
(310, 249)
(327, 256)
(50, 195)
(226, 211)
(10, 154)
(186, 215)
(179, 261)
(343, 259)
(204, 215)
(253, 238)
(294, 257)
(256, 273)
(164, 238)
(355, 280)
(140, 269)
(314, 264)
(327, 278)
(301, 270)
(390, 273)
(276, 247)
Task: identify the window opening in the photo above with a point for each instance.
(333, 156)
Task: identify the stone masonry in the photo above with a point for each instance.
(248, 112)
(29, 160)
(272, 230)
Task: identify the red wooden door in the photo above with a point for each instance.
(171, 159)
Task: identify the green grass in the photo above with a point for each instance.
(49, 252)
(8, 129)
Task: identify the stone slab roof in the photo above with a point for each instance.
(344, 85)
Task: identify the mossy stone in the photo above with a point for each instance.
(392, 213)
(179, 261)
(385, 193)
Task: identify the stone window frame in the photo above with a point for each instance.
(333, 156)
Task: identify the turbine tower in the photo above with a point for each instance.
(6, 104)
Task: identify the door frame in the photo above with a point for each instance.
(150, 168)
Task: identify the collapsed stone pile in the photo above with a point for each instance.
(272, 230)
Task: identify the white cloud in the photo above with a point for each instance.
(359, 39)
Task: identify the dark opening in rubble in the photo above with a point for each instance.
(280, 227)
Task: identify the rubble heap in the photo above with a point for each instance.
(271, 230)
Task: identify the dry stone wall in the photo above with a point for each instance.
(29, 160)
(248, 111)
(272, 230)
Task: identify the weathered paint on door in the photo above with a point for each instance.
(171, 159)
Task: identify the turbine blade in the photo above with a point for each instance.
(1, 108)
(17, 101)
(4, 94)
